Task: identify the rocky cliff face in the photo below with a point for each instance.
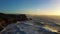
(7, 19)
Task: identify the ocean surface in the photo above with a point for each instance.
(28, 27)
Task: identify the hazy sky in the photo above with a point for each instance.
(39, 7)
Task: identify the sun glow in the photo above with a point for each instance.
(53, 9)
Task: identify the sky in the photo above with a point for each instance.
(36, 7)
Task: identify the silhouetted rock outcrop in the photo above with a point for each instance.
(12, 18)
